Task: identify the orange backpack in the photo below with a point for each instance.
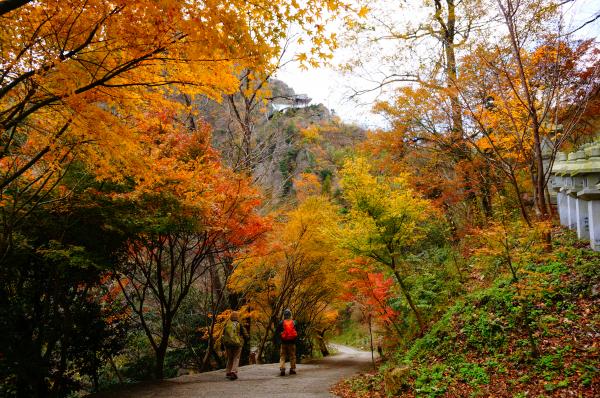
(289, 330)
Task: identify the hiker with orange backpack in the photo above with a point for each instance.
(287, 333)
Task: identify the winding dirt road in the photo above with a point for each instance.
(314, 379)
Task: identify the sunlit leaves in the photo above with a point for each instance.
(298, 267)
(386, 218)
(83, 79)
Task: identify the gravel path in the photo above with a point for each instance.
(314, 379)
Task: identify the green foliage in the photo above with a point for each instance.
(484, 332)
(391, 226)
(551, 361)
(286, 167)
(291, 131)
(554, 386)
(437, 339)
(473, 374)
(431, 381)
(486, 318)
(554, 268)
(589, 372)
(58, 326)
(480, 322)
(433, 284)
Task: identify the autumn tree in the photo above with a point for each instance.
(386, 222)
(545, 85)
(371, 290)
(297, 269)
(515, 16)
(195, 212)
(96, 87)
(502, 149)
(417, 58)
(83, 75)
(417, 141)
(500, 123)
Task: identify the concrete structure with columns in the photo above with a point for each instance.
(576, 180)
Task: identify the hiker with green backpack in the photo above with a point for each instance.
(287, 333)
(233, 338)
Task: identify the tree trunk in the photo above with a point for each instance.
(95, 380)
(371, 341)
(209, 351)
(161, 349)
(509, 12)
(160, 362)
(540, 178)
(245, 356)
(116, 370)
(161, 353)
(411, 304)
(457, 265)
(321, 339)
(263, 343)
(451, 70)
(515, 184)
(485, 188)
(457, 139)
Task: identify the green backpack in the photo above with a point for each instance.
(231, 334)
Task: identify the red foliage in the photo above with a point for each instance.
(372, 291)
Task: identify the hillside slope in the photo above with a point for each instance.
(286, 143)
(481, 346)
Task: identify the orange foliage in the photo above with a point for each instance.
(84, 80)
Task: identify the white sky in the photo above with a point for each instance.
(332, 88)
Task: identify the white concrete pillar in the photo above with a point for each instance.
(583, 227)
(563, 210)
(594, 223)
(572, 212)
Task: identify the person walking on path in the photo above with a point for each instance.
(233, 338)
(286, 330)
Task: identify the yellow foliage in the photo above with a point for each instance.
(311, 134)
(386, 217)
(299, 268)
(508, 242)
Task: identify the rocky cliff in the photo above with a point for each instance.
(287, 143)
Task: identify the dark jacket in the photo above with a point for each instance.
(279, 330)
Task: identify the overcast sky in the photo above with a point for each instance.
(331, 88)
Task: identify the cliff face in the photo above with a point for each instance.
(287, 143)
